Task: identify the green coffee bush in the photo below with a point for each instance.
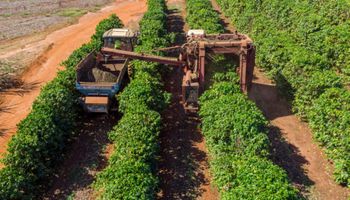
(37, 147)
(131, 170)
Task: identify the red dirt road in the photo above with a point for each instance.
(15, 106)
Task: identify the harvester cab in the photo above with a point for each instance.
(117, 38)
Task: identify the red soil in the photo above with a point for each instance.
(294, 147)
(183, 166)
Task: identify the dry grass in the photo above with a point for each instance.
(29, 18)
(23, 17)
(72, 12)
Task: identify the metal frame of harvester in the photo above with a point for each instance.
(192, 59)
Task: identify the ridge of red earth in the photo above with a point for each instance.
(16, 105)
(293, 147)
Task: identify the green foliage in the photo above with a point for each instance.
(236, 136)
(111, 22)
(201, 15)
(41, 137)
(130, 173)
(153, 25)
(78, 55)
(312, 88)
(12, 182)
(143, 90)
(251, 178)
(141, 146)
(330, 118)
(238, 129)
(132, 180)
(303, 45)
(219, 89)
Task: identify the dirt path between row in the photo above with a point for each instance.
(183, 166)
(292, 143)
(86, 156)
(16, 104)
(293, 146)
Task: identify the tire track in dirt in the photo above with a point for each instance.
(65, 41)
(183, 165)
(292, 145)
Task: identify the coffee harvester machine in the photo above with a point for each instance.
(117, 52)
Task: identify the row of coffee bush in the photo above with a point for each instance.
(235, 129)
(38, 146)
(131, 170)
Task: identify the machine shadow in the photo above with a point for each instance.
(268, 100)
(283, 153)
(180, 161)
(223, 23)
(175, 24)
(287, 156)
(85, 156)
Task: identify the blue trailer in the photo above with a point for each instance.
(99, 80)
(101, 76)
